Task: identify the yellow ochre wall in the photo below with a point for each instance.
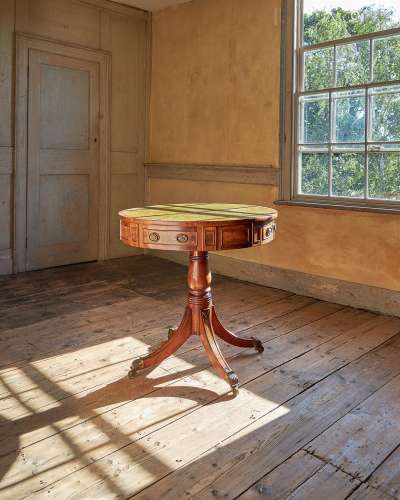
(215, 99)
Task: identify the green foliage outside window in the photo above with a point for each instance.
(349, 107)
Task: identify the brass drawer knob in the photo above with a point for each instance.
(154, 237)
(182, 238)
(268, 232)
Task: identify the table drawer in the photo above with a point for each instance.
(231, 237)
(156, 236)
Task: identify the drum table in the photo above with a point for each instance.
(198, 229)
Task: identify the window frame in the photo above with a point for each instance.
(291, 80)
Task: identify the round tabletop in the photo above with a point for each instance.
(198, 226)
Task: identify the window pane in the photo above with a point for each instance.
(315, 119)
(385, 114)
(386, 55)
(352, 64)
(384, 175)
(334, 19)
(348, 174)
(314, 168)
(318, 69)
(349, 112)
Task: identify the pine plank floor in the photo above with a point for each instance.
(317, 415)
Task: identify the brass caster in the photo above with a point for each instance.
(137, 364)
(257, 344)
(233, 382)
(171, 331)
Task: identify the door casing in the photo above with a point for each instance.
(24, 44)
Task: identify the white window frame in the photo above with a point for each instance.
(291, 92)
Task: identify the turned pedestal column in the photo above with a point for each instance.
(200, 319)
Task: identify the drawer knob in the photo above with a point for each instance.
(268, 232)
(154, 237)
(182, 238)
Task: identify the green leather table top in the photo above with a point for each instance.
(197, 212)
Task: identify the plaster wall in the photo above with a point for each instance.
(215, 99)
(123, 34)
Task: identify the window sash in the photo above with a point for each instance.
(344, 41)
(293, 78)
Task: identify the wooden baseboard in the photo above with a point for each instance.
(357, 295)
(6, 266)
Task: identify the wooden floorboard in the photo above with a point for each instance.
(358, 441)
(286, 478)
(386, 477)
(328, 482)
(258, 442)
(366, 492)
(316, 417)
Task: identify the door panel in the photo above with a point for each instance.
(61, 198)
(62, 202)
(57, 113)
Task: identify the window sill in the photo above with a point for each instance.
(340, 206)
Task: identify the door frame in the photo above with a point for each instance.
(25, 43)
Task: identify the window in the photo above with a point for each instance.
(342, 118)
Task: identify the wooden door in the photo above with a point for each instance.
(63, 151)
